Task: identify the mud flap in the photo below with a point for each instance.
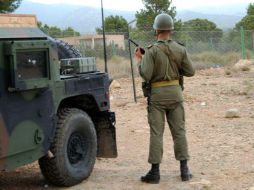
(106, 136)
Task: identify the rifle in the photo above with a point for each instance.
(146, 86)
(141, 49)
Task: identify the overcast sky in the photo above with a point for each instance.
(134, 5)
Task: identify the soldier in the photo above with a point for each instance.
(162, 66)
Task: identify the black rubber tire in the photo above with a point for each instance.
(74, 148)
(66, 50)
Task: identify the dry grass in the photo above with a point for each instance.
(120, 67)
(206, 60)
(241, 66)
(249, 87)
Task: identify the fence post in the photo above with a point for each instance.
(132, 71)
(211, 44)
(113, 48)
(244, 56)
(253, 40)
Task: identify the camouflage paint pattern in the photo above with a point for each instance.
(4, 141)
(28, 107)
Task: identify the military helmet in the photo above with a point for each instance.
(163, 21)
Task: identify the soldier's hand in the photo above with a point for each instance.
(138, 54)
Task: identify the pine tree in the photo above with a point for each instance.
(8, 6)
(145, 17)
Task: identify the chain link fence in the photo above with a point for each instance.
(206, 48)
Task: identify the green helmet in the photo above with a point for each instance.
(163, 21)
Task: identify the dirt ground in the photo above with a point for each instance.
(222, 149)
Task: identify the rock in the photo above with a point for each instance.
(115, 84)
(46, 186)
(121, 104)
(243, 65)
(202, 182)
(213, 84)
(132, 104)
(203, 104)
(139, 131)
(232, 113)
(228, 72)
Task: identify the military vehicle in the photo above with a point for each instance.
(54, 107)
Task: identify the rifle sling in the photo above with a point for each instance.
(171, 58)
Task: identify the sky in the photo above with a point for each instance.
(134, 5)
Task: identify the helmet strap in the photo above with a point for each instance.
(155, 33)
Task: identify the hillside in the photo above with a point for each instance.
(86, 19)
(223, 21)
(82, 19)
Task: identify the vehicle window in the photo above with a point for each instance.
(31, 64)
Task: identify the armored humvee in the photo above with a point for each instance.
(54, 107)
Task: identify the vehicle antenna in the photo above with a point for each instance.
(104, 38)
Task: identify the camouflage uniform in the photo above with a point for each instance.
(165, 100)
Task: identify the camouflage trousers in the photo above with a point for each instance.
(174, 113)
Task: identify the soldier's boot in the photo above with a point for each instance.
(153, 176)
(185, 172)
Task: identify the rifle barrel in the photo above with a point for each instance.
(134, 42)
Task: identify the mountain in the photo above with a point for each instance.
(223, 21)
(82, 19)
(86, 19)
(238, 9)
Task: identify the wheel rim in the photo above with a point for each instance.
(76, 148)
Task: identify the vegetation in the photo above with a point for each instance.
(208, 45)
(146, 16)
(202, 30)
(114, 24)
(234, 36)
(208, 59)
(248, 21)
(56, 32)
(118, 67)
(98, 51)
(8, 6)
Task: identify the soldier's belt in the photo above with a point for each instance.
(165, 83)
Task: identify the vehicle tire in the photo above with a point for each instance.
(66, 50)
(74, 149)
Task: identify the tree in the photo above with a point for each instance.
(202, 30)
(145, 17)
(114, 24)
(70, 32)
(56, 32)
(250, 9)
(8, 6)
(248, 21)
